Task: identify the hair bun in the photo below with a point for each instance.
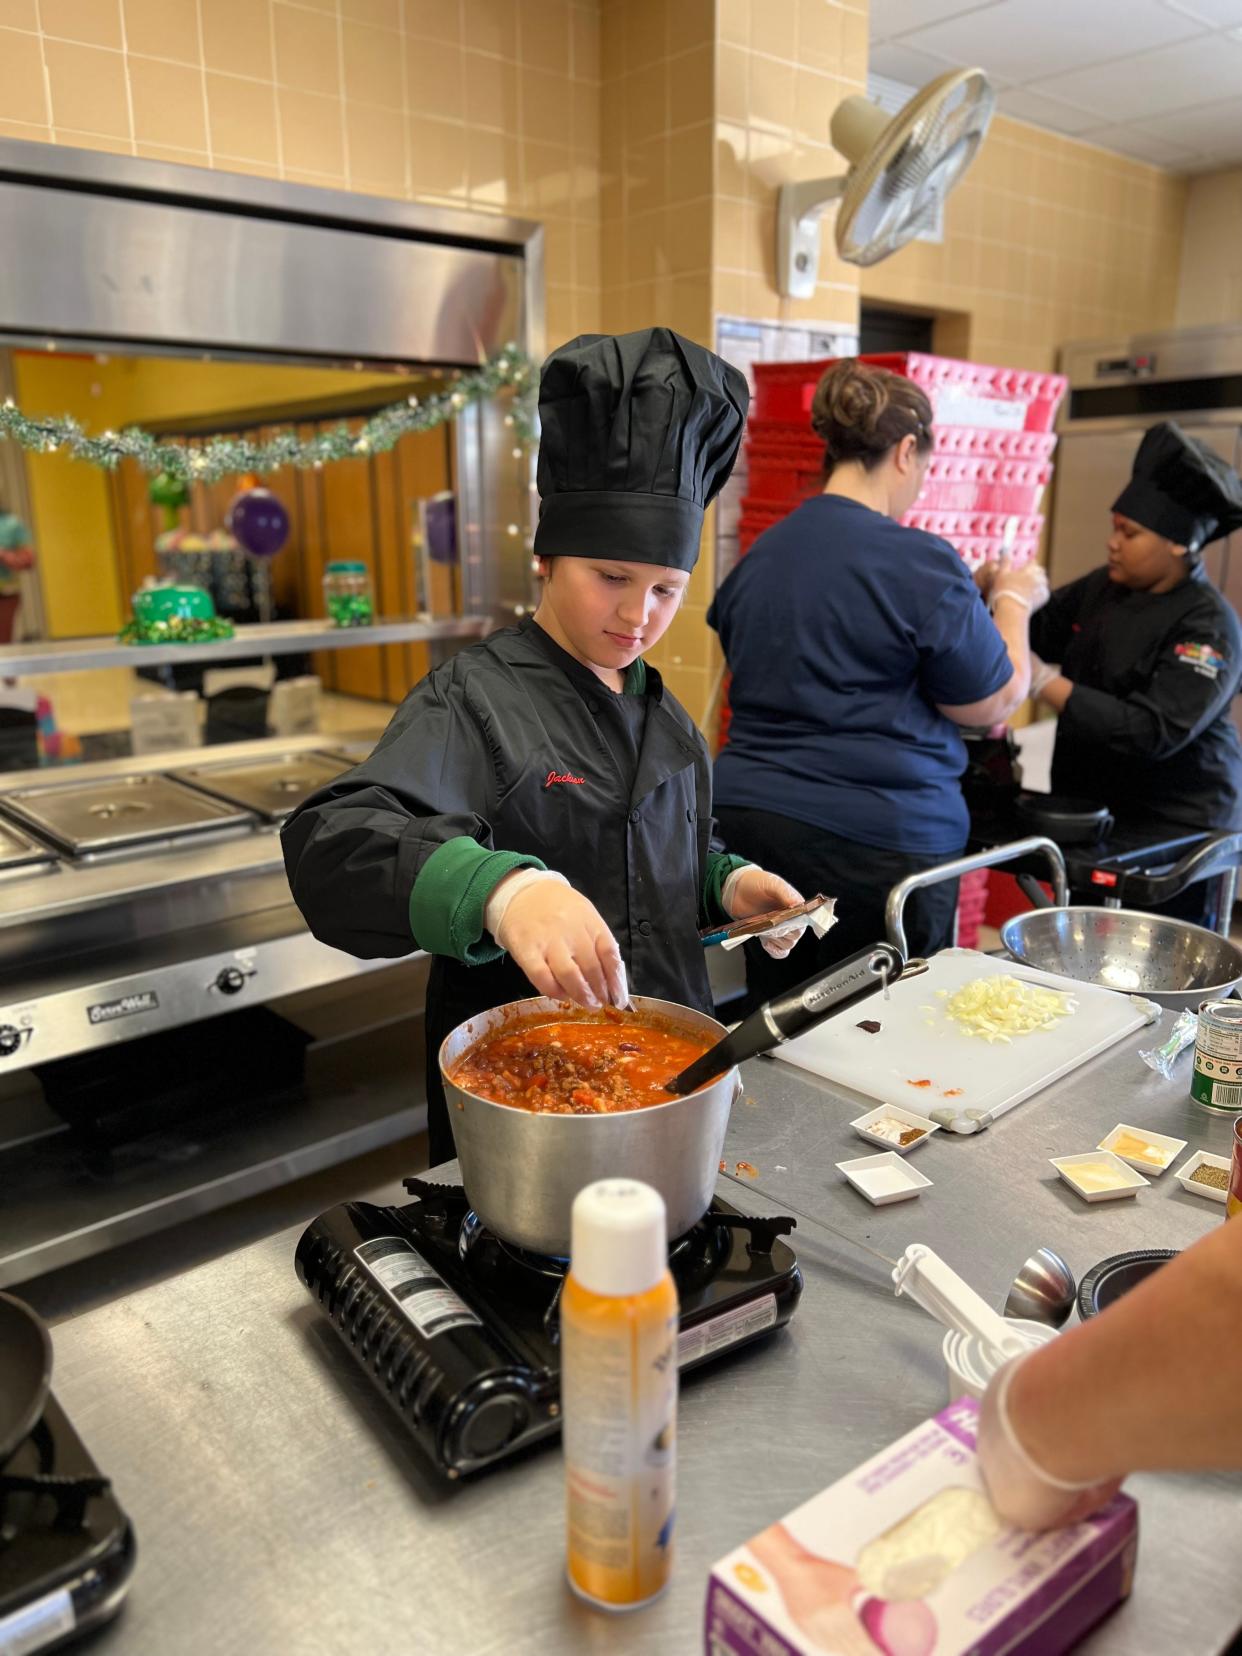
(861, 412)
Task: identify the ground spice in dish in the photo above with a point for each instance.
(910, 1134)
(1216, 1178)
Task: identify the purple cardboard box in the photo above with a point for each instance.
(905, 1557)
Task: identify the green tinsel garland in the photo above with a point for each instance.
(226, 456)
(178, 629)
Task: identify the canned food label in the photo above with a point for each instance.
(1220, 1032)
(1216, 1083)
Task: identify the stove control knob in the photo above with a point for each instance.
(230, 980)
(10, 1040)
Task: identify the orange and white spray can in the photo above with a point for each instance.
(619, 1318)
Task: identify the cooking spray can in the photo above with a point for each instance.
(619, 1395)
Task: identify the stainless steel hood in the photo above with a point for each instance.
(118, 250)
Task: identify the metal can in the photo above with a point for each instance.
(1216, 1080)
(1233, 1202)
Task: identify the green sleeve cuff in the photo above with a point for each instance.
(450, 894)
(720, 864)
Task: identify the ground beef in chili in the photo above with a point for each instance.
(583, 1067)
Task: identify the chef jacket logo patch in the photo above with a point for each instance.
(1202, 657)
(554, 777)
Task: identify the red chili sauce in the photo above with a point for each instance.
(579, 1067)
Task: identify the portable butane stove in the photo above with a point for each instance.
(66, 1547)
(461, 1331)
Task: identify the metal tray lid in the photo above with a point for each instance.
(17, 850)
(273, 785)
(112, 812)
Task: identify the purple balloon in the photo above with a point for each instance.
(259, 522)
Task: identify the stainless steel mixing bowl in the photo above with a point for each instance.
(1169, 961)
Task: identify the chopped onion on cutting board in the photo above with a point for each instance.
(998, 1008)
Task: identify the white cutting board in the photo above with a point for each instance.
(991, 1077)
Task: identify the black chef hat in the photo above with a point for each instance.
(639, 434)
(1181, 489)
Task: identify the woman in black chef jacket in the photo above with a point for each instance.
(538, 816)
(1149, 658)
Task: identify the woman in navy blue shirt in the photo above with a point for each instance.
(858, 649)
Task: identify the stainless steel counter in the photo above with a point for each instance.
(278, 1506)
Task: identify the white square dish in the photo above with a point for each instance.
(863, 1125)
(1129, 1183)
(1202, 1158)
(1166, 1150)
(883, 1179)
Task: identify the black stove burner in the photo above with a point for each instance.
(461, 1330)
(66, 1547)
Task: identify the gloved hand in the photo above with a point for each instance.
(1028, 586)
(751, 890)
(1021, 1491)
(558, 938)
(1042, 673)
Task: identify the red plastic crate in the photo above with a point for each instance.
(781, 480)
(1005, 445)
(972, 902)
(1013, 499)
(795, 436)
(972, 394)
(955, 526)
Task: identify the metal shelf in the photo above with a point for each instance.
(75, 655)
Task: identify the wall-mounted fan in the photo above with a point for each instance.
(901, 169)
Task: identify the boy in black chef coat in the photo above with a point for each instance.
(537, 816)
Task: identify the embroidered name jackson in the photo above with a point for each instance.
(564, 776)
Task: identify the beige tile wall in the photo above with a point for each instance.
(492, 104)
(1210, 289)
(656, 209)
(782, 66)
(1046, 240)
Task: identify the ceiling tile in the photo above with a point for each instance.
(1217, 14)
(895, 17)
(1026, 40)
(1143, 144)
(1178, 77)
(900, 63)
(1024, 105)
(1210, 128)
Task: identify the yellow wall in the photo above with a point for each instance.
(1210, 290)
(1046, 240)
(70, 502)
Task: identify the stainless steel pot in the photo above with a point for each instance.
(521, 1170)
